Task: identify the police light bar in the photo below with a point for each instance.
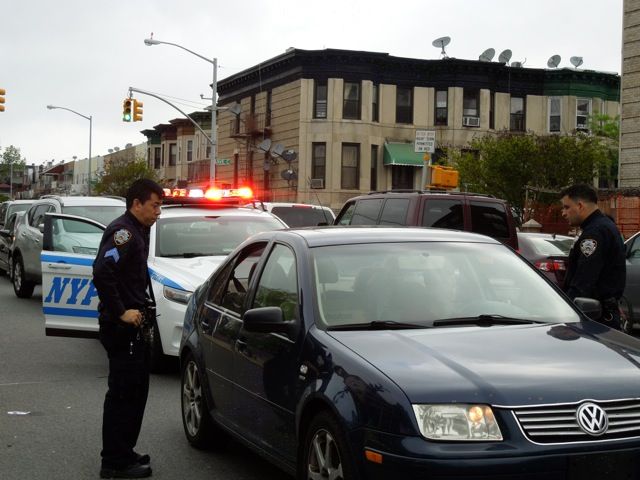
(211, 195)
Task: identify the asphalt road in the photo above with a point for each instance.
(51, 395)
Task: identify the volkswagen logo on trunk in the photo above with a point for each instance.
(592, 419)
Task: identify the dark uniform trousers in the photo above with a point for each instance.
(126, 398)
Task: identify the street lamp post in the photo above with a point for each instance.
(90, 118)
(214, 87)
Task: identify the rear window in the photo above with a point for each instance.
(367, 211)
(489, 219)
(443, 213)
(551, 246)
(300, 216)
(104, 214)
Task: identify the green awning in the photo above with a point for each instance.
(402, 154)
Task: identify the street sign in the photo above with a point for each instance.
(425, 141)
(223, 161)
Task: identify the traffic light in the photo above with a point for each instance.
(2, 92)
(137, 111)
(126, 109)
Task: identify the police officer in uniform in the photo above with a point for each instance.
(596, 266)
(121, 277)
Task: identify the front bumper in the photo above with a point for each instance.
(415, 458)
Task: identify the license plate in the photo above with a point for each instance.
(609, 466)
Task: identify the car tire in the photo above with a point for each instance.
(23, 288)
(199, 428)
(626, 316)
(158, 361)
(324, 434)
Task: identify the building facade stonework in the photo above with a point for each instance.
(629, 171)
(349, 116)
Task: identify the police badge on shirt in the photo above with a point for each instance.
(588, 246)
(121, 237)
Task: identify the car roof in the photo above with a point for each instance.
(341, 235)
(171, 211)
(543, 235)
(429, 193)
(84, 201)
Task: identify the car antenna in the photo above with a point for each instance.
(324, 212)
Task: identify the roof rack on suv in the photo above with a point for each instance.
(433, 190)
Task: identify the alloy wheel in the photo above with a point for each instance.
(192, 404)
(324, 457)
(17, 275)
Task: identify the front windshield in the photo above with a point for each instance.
(207, 235)
(17, 207)
(429, 281)
(104, 214)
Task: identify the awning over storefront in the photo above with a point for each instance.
(402, 154)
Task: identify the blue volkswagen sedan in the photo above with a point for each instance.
(353, 353)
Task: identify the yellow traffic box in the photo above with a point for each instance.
(443, 177)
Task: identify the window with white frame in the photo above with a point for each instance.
(320, 99)
(351, 101)
(583, 111)
(173, 154)
(350, 171)
(189, 150)
(555, 114)
(441, 114)
(517, 119)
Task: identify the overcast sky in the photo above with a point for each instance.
(85, 54)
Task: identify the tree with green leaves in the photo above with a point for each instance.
(119, 175)
(10, 159)
(519, 167)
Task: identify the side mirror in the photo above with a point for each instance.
(267, 320)
(589, 306)
(5, 233)
(41, 228)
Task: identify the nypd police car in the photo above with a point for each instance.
(189, 240)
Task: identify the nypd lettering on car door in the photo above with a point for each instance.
(69, 299)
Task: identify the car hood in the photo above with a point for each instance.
(184, 273)
(504, 365)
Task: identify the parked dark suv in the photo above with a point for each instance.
(472, 212)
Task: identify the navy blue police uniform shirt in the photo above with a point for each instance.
(596, 265)
(120, 272)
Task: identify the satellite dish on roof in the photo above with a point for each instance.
(487, 55)
(441, 43)
(576, 61)
(554, 61)
(505, 56)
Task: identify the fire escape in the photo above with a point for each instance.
(250, 129)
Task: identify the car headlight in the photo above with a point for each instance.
(176, 295)
(457, 422)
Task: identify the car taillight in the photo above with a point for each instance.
(551, 265)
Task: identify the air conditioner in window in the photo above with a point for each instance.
(317, 183)
(470, 121)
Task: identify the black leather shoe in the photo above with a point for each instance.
(142, 459)
(131, 471)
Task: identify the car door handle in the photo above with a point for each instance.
(59, 266)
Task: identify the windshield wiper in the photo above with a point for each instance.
(485, 320)
(377, 325)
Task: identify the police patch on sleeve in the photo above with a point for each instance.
(588, 246)
(121, 237)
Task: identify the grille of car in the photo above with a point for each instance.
(558, 423)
